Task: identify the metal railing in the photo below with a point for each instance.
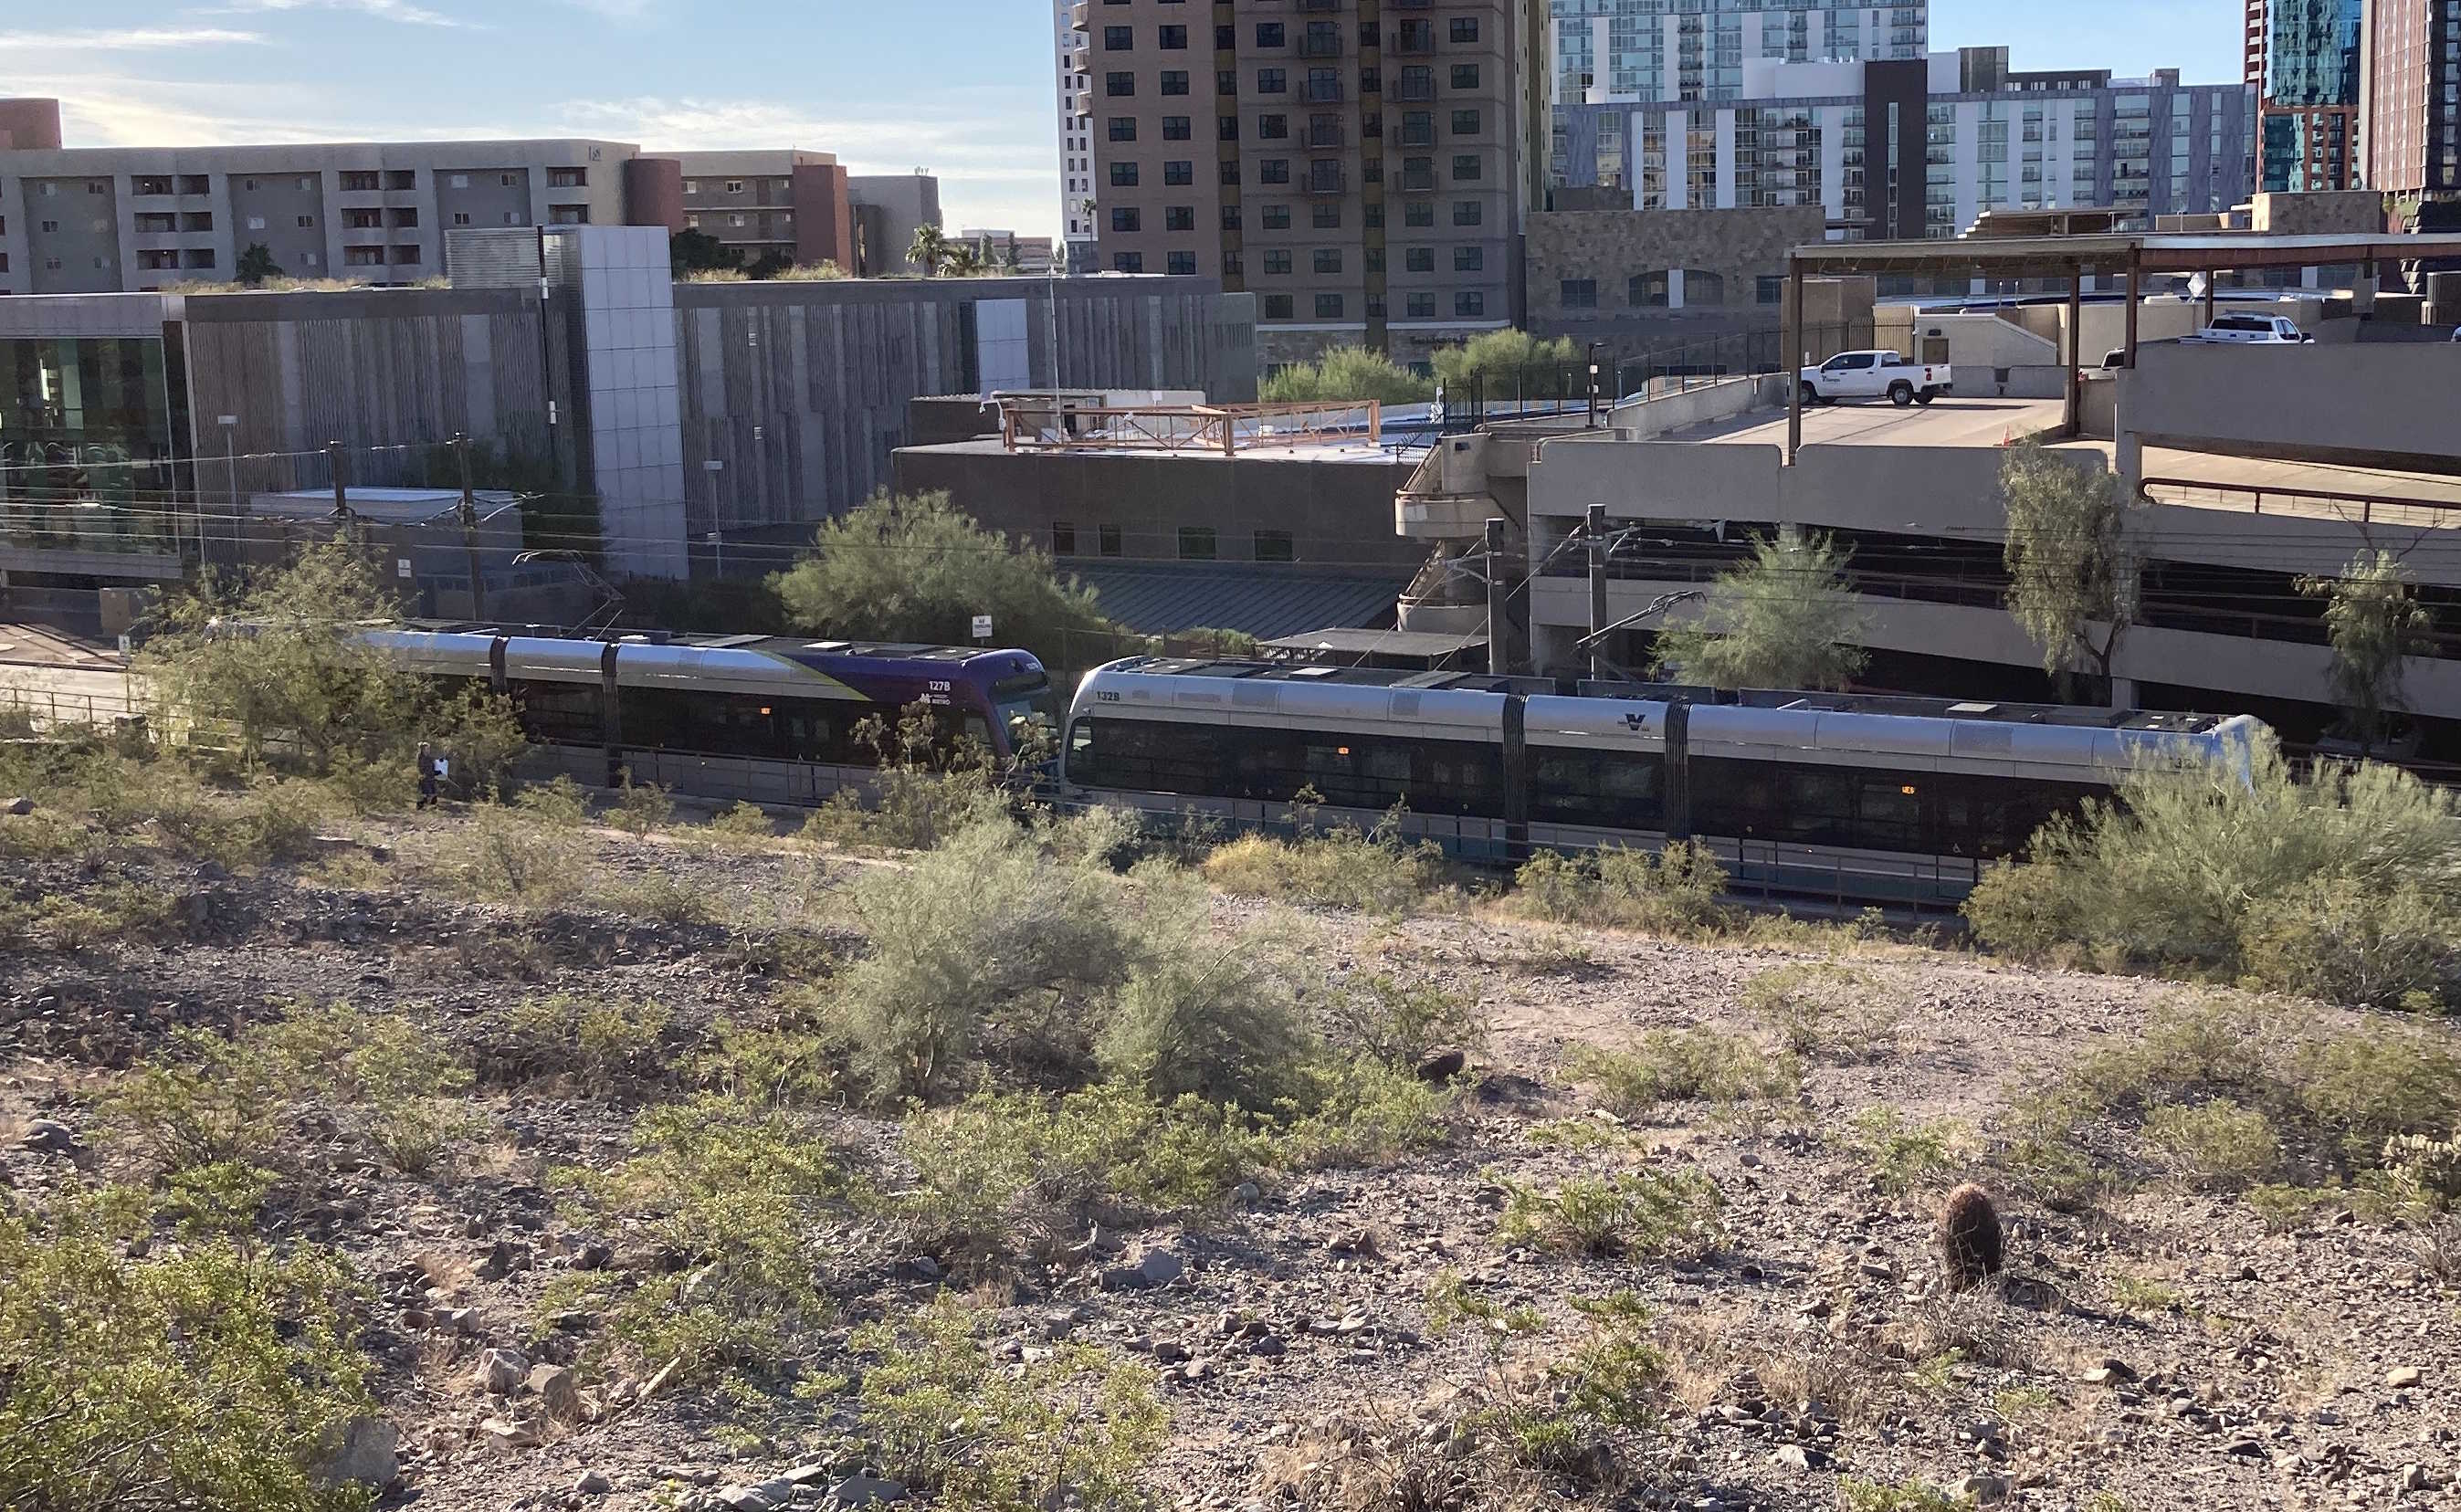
(1047, 426)
(2313, 502)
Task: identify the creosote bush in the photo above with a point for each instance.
(1645, 1212)
(1342, 867)
(1674, 892)
(1687, 1065)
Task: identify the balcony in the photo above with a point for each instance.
(1078, 14)
(1325, 178)
(1415, 90)
(1325, 133)
(1420, 180)
(1314, 46)
(1324, 7)
(1321, 92)
(1415, 39)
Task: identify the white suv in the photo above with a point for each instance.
(2256, 329)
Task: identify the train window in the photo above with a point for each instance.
(1889, 814)
(561, 712)
(1602, 788)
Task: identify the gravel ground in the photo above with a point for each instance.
(2164, 1348)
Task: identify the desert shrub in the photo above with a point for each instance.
(1397, 1021)
(2338, 887)
(1633, 1213)
(204, 1100)
(1820, 1009)
(662, 895)
(908, 809)
(205, 1373)
(784, 1063)
(527, 854)
(728, 1191)
(983, 950)
(1901, 1153)
(133, 912)
(1097, 835)
(1360, 1112)
(1343, 867)
(1344, 374)
(641, 808)
(1673, 892)
(1687, 1065)
(2217, 1142)
(602, 1046)
(399, 1084)
(1560, 1414)
(1220, 1021)
(1913, 1495)
(743, 822)
(1001, 1171)
(2422, 1170)
(949, 1417)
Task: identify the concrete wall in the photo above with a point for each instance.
(2386, 405)
(1612, 247)
(801, 390)
(1336, 512)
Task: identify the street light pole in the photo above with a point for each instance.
(1594, 382)
(230, 461)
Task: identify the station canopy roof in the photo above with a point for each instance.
(2114, 252)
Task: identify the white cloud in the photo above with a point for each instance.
(129, 40)
(400, 10)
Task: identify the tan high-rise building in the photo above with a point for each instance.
(2410, 97)
(1363, 166)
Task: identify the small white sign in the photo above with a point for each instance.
(401, 567)
(124, 647)
(982, 626)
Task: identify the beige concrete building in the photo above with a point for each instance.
(1365, 167)
(99, 219)
(770, 207)
(1662, 276)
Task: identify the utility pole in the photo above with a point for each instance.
(1497, 662)
(1595, 527)
(1593, 383)
(470, 530)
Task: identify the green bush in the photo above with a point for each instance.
(1360, 1112)
(1635, 1213)
(949, 1417)
(2219, 1142)
(1344, 867)
(1902, 1152)
(2340, 886)
(1687, 1065)
(597, 1047)
(1218, 1021)
(205, 1374)
(1675, 892)
(1397, 1022)
(1345, 374)
(908, 809)
(527, 855)
(641, 808)
(1820, 1009)
(1561, 1420)
(204, 1100)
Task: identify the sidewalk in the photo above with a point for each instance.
(45, 646)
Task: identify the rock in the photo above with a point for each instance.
(503, 1260)
(51, 1137)
(1268, 1346)
(508, 1434)
(595, 1255)
(1443, 1063)
(556, 1390)
(2414, 1478)
(1797, 1456)
(1168, 1351)
(862, 1489)
(2404, 1377)
(501, 1371)
(921, 1267)
(769, 1496)
(592, 1484)
(1247, 1194)
(1157, 1267)
(650, 1388)
(19, 807)
(361, 1452)
(1980, 1490)
(459, 1320)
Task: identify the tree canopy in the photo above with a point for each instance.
(917, 569)
(1788, 617)
(2074, 572)
(1511, 361)
(1345, 374)
(2372, 622)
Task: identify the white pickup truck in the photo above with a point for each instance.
(2268, 331)
(1875, 375)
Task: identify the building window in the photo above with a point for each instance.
(1418, 212)
(463, 217)
(691, 186)
(1770, 289)
(1277, 260)
(1124, 219)
(1277, 218)
(1268, 33)
(1466, 123)
(1465, 75)
(1229, 170)
(1063, 539)
(1179, 218)
(1328, 260)
(1326, 217)
(1277, 307)
(1175, 128)
(1174, 39)
(1274, 170)
(1229, 128)
(1469, 212)
(1275, 546)
(1108, 540)
(360, 182)
(1179, 173)
(1469, 259)
(1174, 81)
(1464, 29)
(1646, 291)
(1182, 263)
(1704, 288)
(1328, 307)
(1272, 128)
(1466, 166)
(1124, 176)
(1119, 38)
(1231, 218)
(1128, 262)
(556, 179)
(735, 187)
(1372, 217)
(1580, 293)
(1272, 81)
(1196, 544)
(1225, 81)
(1120, 85)
(1419, 259)
(1372, 259)
(1124, 128)
(1419, 306)
(1472, 305)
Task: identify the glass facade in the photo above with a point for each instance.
(1695, 50)
(91, 436)
(2310, 93)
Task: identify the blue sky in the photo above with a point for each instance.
(958, 87)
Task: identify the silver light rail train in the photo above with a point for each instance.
(1868, 798)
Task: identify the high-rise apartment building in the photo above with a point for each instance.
(1079, 204)
(1363, 166)
(2303, 59)
(1891, 149)
(2409, 119)
(1613, 50)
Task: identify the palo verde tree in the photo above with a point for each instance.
(917, 569)
(1786, 617)
(2372, 621)
(2074, 571)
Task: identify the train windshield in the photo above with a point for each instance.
(1027, 715)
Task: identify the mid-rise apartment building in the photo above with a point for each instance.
(93, 220)
(29, 123)
(1079, 202)
(2410, 127)
(2304, 57)
(1363, 166)
(770, 207)
(1892, 149)
(1650, 50)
